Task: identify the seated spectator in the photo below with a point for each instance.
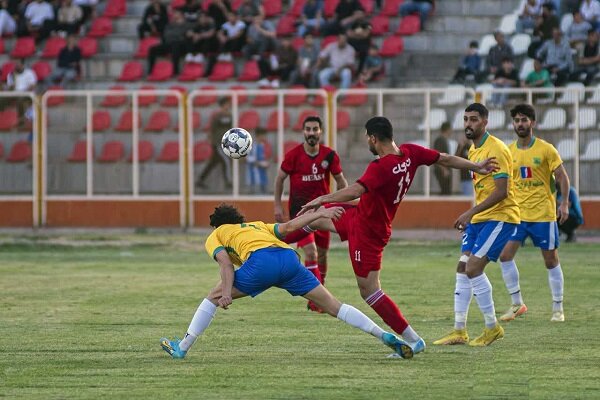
(498, 52)
(311, 19)
(578, 31)
(543, 29)
(8, 24)
(154, 20)
(69, 17)
(340, 58)
(173, 42)
(506, 77)
(588, 64)
(556, 56)
(590, 11)
(250, 9)
(88, 7)
(202, 43)
(470, 64)
(260, 37)
(281, 64)
(575, 214)
(258, 164)
(539, 78)
(218, 10)
(421, 7)
(190, 10)
(359, 37)
(373, 66)
(308, 55)
(346, 12)
(22, 79)
(231, 36)
(39, 17)
(68, 63)
(531, 11)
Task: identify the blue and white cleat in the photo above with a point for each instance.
(419, 346)
(401, 348)
(172, 347)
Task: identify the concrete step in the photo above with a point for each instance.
(471, 25)
(439, 43)
(475, 7)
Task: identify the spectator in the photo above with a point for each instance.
(359, 37)
(8, 25)
(543, 29)
(173, 42)
(587, 66)
(22, 79)
(250, 9)
(590, 11)
(220, 123)
(346, 12)
(281, 64)
(154, 20)
(470, 64)
(575, 214)
(373, 66)
(231, 36)
(421, 7)
(557, 58)
(218, 10)
(312, 17)
(506, 77)
(340, 57)
(68, 63)
(539, 78)
(190, 10)
(443, 174)
(260, 37)
(202, 43)
(466, 181)
(88, 7)
(258, 163)
(531, 11)
(69, 17)
(498, 52)
(39, 17)
(308, 55)
(578, 31)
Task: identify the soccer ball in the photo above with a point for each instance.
(236, 143)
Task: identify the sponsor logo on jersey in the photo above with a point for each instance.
(313, 177)
(537, 160)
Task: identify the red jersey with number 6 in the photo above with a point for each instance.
(386, 181)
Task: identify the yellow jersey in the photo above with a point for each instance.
(533, 171)
(507, 210)
(240, 240)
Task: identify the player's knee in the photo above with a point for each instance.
(322, 259)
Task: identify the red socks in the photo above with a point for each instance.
(388, 311)
(312, 267)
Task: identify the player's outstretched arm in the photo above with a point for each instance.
(349, 193)
(483, 167)
(281, 177)
(302, 220)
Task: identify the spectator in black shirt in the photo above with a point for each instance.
(218, 10)
(359, 37)
(173, 42)
(506, 77)
(587, 66)
(154, 20)
(190, 10)
(202, 43)
(68, 63)
(543, 29)
(346, 12)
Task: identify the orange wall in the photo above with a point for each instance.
(16, 213)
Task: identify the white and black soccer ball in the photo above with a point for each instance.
(236, 143)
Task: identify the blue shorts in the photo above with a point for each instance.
(274, 266)
(487, 238)
(543, 234)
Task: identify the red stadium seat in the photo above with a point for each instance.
(53, 46)
(126, 122)
(249, 120)
(147, 99)
(301, 117)
(88, 47)
(145, 151)
(409, 25)
(20, 152)
(169, 152)
(286, 25)
(241, 92)
(328, 40)
(24, 47)
(101, 121)
(1, 46)
(162, 71)
(222, 71)
(177, 3)
(112, 151)
(132, 71)
(191, 72)
(171, 100)
(380, 24)
(205, 100)
(250, 72)
(114, 100)
(144, 46)
(329, 7)
(296, 8)
(391, 8)
(115, 8)
(392, 46)
(100, 28)
(202, 151)
(267, 99)
(343, 119)
(273, 119)
(9, 119)
(368, 6)
(57, 98)
(289, 145)
(7, 68)
(79, 152)
(195, 122)
(297, 42)
(1, 150)
(355, 99)
(159, 121)
(295, 99)
(272, 8)
(42, 70)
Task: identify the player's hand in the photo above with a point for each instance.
(487, 166)
(278, 213)
(563, 213)
(225, 301)
(333, 213)
(462, 221)
(311, 205)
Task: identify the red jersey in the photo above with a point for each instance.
(386, 181)
(310, 176)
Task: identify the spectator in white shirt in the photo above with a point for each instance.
(341, 58)
(88, 7)
(69, 17)
(531, 10)
(22, 79)
(40, 19)
(232, 36)
(590, 11)
(7, 22)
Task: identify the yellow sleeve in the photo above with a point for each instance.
(213, 244)
(503, 158)
(274, 230)
(554, 160)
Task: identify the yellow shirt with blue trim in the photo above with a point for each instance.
(507, 210)
(240, 240)
(533, 170)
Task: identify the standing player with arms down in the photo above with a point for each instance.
(309, 166)
(368, 226)
(487, 227)
(535, 164)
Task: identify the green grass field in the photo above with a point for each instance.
(81, 318)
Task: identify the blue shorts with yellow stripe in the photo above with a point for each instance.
(543, 234)
(274, 266)
(487, 239)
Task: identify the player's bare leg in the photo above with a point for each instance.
(510, 274)
(310, 262)
(556, 282)
(322, 262)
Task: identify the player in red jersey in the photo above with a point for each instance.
(309, 166)
(368, 226)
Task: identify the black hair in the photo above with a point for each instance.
(524, 109)
(507, 59)
(478, 108)
(381, 128)
(226, 214)
(313, 118)
(445, 126)
(473, 44)
(224, 100)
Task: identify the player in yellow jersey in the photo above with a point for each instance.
(487, 227)
(536, 164)
(265, 261)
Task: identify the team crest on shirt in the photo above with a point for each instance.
(324, 164)
(537, 160)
